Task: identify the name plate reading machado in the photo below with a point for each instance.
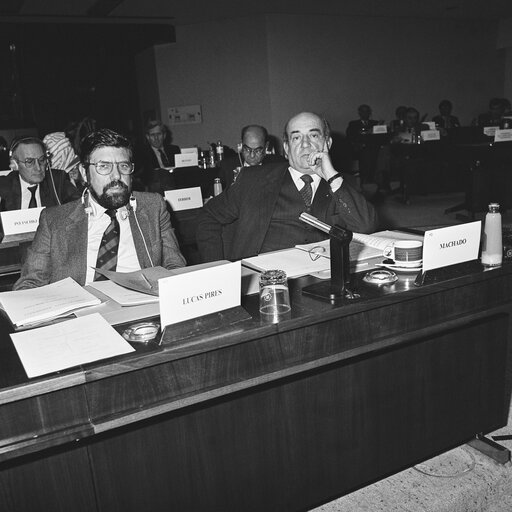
(199, 293)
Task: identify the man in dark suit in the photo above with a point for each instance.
(32, 183)
(251, 151)
(158, 156)
(110, 225)
(263, 206)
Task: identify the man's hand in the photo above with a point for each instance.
(320, 163)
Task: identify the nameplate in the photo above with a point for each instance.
(490, 131)
(184, 198)
(503, 135)
(185, 160)
(427, 135)
(451, 245)
(199, 293)
(15, 222)
(380, 128)
(431, 125)
(189, 150)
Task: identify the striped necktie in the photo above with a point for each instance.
(307, 190)
(107, 253)
(32, 203)
(163, 157)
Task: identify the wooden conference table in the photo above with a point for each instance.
(259, 417)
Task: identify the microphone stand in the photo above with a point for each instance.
(339, 241)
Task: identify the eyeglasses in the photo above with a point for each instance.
(30, 162)
(105, 168)
(253, 151)
(316, 252)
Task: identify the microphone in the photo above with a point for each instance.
(338, 232)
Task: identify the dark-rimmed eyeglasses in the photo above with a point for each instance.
(105, 168)
(253, 151)
(30, 162)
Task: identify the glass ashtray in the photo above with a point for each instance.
(142, 332)
(380, 276)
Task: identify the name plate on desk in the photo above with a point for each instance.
(199, 293)
(15, 222)
(490, 131)
(184, 198)
(451, 245)
(185, 160)
(380, 128)
(503, 135)
(430, 135)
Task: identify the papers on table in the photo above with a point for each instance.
(67, 344)
(122, 295)
(36, 305)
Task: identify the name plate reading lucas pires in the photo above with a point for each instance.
(199, 293)
(184, 198)
(16, 222)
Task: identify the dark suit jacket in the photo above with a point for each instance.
(355, 128)
(228, 166)
(59, 249)
(247, 207)
(441, 122)
(10, 190)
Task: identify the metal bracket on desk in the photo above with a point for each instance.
(488, 447)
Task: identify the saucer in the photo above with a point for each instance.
(399, 268)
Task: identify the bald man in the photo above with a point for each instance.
(261, 210)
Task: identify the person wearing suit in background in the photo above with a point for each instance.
(251, 151)
(109, 227)
(445, 120)
(264, 204)
(32, 183)
(157, 157)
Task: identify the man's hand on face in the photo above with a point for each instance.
(320, 162)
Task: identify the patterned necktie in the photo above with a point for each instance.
(33, 202)
(307, 190)
(107, 253)
(163, 157)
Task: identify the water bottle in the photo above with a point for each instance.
(219, 149)
(492, 247)
(217, 187)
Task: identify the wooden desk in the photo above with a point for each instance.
(264, 417)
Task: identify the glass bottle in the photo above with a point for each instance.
(492, 247)
(217, 187)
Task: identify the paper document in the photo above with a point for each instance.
(67, 344)
(25, 307)
(123, 296)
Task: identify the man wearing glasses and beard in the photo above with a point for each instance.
(109, 228)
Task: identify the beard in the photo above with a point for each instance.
(113, 200)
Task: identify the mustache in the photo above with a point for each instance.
(115, 183)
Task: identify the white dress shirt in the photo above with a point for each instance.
(299, 182)
(98, 220)
(26, 195)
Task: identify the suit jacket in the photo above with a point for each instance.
(228, 166)
(59, 249)
(10, 190)
(248, 205)
(150, 161)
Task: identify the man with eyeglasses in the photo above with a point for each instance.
(260, 211)
(251, 151)
(109, 228)
(32, 183)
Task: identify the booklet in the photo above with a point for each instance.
(26, 308)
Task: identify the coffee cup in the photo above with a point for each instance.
(407, 253)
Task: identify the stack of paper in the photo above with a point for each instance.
(38, 305)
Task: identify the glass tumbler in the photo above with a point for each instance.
(274, 296)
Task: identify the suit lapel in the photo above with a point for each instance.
(74, 242)
(321, 201)
(140, 249)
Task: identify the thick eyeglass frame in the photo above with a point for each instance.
(109, 166)
(253, 151)
(30, 162)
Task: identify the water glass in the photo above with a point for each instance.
(274, 296)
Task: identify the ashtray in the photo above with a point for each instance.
(380, 276)
(142, 332)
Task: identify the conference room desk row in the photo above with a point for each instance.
(253, 416)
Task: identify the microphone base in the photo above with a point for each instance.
(326, 292)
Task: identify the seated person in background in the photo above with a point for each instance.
(63, 157)
(157, 156)
(262, 207)
(109, 228)
(252, 151)
(364, 149)
(32, 183)
(411, 128)
(495, 114)
(398, 123)
(445, 120)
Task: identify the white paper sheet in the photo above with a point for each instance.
(67, 344)
(122, 295)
